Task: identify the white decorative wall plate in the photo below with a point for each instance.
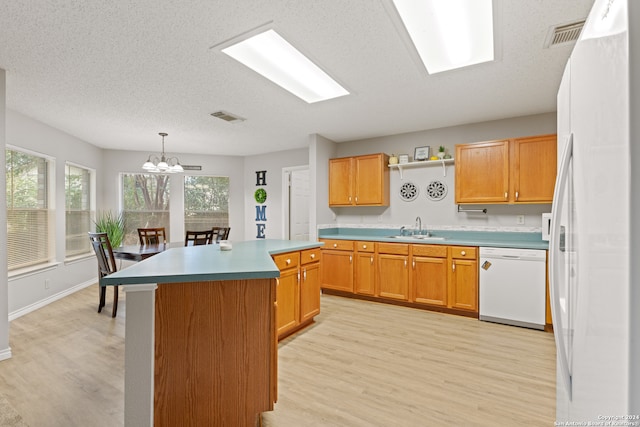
(408, 191)
(436, 190)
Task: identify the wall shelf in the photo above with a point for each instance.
(425, 163)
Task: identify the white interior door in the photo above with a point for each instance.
(298, 212)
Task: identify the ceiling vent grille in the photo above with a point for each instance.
(562, 34)
(227, 117)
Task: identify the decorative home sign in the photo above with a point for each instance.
(421, 153)
(260, 197)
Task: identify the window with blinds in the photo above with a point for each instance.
(145, 202)
(30, 234)
(79, 212)
(206, 202)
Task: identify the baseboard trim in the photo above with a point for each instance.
(39, 304)
(5, 354)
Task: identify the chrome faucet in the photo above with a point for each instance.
(402, 230)
(418, 225)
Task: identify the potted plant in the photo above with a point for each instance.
(441, 151)
(112, 224)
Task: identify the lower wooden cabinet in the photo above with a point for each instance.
(393, 271)
(365, 268)
(337, 265)
(438, 277)
(297, 290)
(429, 275)
(463, 278)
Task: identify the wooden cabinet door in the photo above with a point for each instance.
(533, 169)
(309, 291)
(337, 270)
(393, 276)
(430, 280)
(287, 298)
(372, 180)
(482, 172)
(463, 284)
(365, 273)
(341, 182)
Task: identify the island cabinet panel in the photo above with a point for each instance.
(359, 181)
(429, 275)
(337, 269)
(365, 268)
(393, 271)
(309, 285)
(215, 357)
(298, 290)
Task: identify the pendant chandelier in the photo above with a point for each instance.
(162, 164)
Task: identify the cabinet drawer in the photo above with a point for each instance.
(340, 245)
(464, 252)
(365, 246)
(310, 255)
(393, 248)
(288, 260)
(436, 251)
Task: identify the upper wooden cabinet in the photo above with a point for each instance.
(359, 181)
(520, 170)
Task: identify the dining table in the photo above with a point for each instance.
(142, 252)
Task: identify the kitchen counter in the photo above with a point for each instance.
(246, 260)
(501, 239)
(200, 312)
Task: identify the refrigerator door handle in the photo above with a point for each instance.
(556, 244)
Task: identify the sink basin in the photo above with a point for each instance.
(419, 237)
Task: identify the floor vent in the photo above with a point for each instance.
(227, 117)
(563, 34)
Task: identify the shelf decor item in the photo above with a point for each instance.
(403, 158)
(421, 153)
(441, 152)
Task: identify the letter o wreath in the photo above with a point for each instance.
(260, 195)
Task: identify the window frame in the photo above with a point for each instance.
(185, 211)
(91, 211)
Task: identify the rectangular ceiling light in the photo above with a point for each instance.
(449, 34)
(272, 56)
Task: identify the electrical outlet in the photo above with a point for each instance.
(46, 283)
(520, 220)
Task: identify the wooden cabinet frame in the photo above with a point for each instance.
(359, 181)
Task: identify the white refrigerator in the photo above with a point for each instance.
(595, 232)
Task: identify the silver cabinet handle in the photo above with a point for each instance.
(313, 256)
(463, 253)
(516, 195)
(506, 194)
(304, 274)
(364, 246)
(335, 245)
(350, 259)
(288, 261)
(405, 263)
(453, 266)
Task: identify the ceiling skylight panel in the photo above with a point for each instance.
(449, 34)
(276, 59)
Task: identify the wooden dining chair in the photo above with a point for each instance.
(152, 236)
(106, 265)
(194, 238)
(221, 233)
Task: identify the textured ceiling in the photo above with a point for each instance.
(116, 73)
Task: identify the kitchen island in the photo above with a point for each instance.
(200, 338)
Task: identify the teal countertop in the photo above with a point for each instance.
(246, 260)
(499, 239)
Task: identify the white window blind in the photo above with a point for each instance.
(29, 230)
(79, 212)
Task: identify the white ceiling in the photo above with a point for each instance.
(116, 73)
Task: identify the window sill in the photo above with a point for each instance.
(30, 271)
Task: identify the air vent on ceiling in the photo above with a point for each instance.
(227, 117)
(562, 34)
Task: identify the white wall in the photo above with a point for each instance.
(443, 212)
(28, 292)
(273, 163)
(5, 350)
(320, 151)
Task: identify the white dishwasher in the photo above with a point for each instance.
(512, 286)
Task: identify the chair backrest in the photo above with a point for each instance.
(152, 236)
(104, 253)
(193, 238)
(221, 233)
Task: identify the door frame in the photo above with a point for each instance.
(286, 185)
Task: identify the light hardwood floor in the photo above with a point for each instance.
(361, 364)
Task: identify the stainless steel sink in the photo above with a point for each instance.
(420, 237)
